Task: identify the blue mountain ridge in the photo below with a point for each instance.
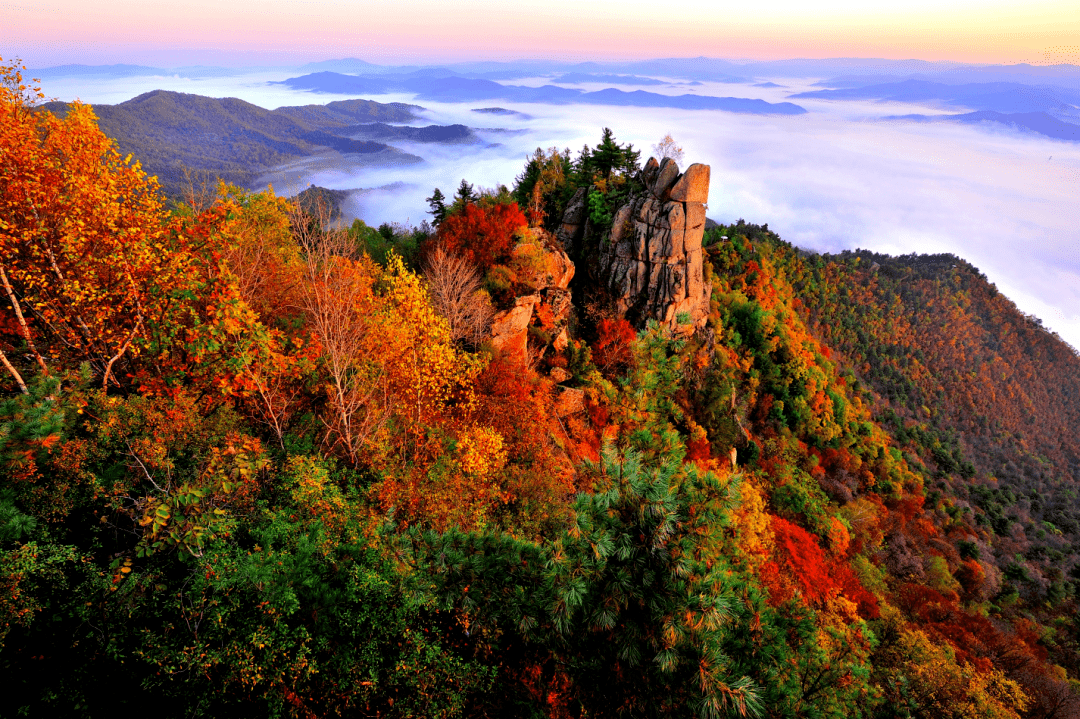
(460, 89)
(844, 72)
(578, 77)
(1002, 97)
(126, 71)
(1037, 122)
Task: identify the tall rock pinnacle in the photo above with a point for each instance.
(652, 262)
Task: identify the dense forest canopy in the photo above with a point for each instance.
(253, 463)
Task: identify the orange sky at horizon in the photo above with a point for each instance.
(289, 31)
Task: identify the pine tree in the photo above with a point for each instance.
(610, 157)
(437, 203)
(626, 600)
(464, 195)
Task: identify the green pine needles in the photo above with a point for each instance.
(628, 601)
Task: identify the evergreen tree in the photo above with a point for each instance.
(626, 601)
(464, 195)
(609, 157)
(437, 203)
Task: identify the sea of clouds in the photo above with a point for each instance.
(839, 177)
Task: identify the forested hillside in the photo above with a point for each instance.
(170, 132)
(255, 464)
(984, 397)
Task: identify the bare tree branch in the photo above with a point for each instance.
(454, 286)
(337, 299)
(23, 327)
(14, 373)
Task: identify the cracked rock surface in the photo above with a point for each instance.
(652, 263)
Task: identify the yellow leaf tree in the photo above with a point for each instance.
(84, 241)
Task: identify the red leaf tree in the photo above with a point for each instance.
(483, 235)
(817, 577)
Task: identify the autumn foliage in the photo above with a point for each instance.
(83, 235)
(482, 235)
(248, 469)
(611, 351)
(801, 568)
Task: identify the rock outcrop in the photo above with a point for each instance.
(651, 263)
(573, 220)
(547, 306)
(569, 401)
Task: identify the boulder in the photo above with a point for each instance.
(560, 374)
(650, 171)
(548, 305)
(666, 177)
(559, 302)
(693, 186)
(575, 209)
(573, 220)
(561, 341)
(569, 401)
(560, 268)
(510, 328)
(557, 269)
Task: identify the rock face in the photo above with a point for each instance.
(547, 306)
(573, 220)
(510, 328)
(651, 263)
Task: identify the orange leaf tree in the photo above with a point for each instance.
(83, 235)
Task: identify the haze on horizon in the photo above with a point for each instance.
(288, 32)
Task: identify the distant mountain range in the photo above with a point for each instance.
(170, 132)
(1002, 97)
(192, 71)
(839, 72)
(349, 112)
(436, 87)
(1038, 122)
(580, 77)
(1063, 76)
(119, 70)
(500, 111)
(457, 134)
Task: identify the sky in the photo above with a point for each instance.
(173, 33)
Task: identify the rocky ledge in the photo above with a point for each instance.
(547, 305)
